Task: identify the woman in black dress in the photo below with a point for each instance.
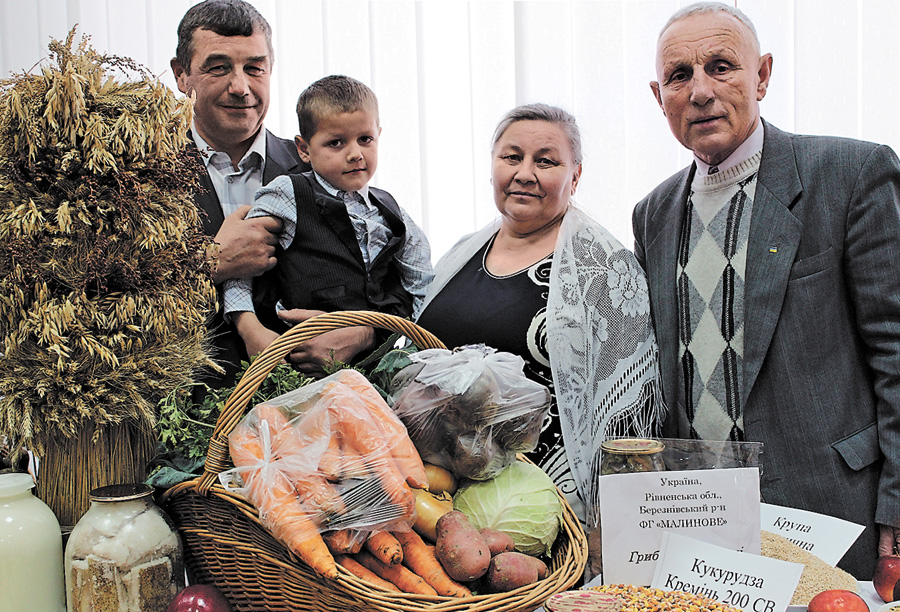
(546, 282)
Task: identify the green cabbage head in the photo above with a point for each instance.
(521, 500)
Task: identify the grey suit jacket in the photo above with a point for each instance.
(821, 325)
(228, 348)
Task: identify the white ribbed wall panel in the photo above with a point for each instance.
(446, 70)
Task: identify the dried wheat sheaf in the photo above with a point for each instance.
(104, 280)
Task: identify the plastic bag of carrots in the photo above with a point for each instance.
(326, 462)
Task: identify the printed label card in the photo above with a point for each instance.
(824, 536)
(719, 506)
(746, 581)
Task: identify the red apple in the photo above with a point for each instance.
(199, 598)
(887, 572)
(837, 600)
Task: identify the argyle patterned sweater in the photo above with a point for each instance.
(712, 259)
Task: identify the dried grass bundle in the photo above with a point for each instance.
(104, 279)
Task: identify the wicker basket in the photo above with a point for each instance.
(227, 546)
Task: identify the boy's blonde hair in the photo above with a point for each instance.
(332, 95)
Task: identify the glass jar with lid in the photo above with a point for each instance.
(31, 553)
(631, 455)
(124, 554)
(622, 456)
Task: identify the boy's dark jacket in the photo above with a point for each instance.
(323, 268)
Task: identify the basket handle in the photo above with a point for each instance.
(217, 456)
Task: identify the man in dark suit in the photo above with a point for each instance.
(224, 59)
(772, 263)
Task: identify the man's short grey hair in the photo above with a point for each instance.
(699, 8)
(543, 112)
(225, 18)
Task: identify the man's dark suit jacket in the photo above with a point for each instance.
(228, 348)
(821, 325)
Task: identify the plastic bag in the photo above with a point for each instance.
(469, 410)
(331, 457)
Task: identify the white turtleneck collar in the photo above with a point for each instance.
(745, 151)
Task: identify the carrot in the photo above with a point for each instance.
(397, 491)
(281, 509)
(354, 413)
(271, 419)
(319, 496)
(311, 548)
(244, 445)
(384, 547)
(349, 416)
(331, 460)
(344, 541)
(402, 449)
(399, 575)
(290, 522)
(352, 464)
(310, 431)
(361, 437)
(363, 573)
(355, 435)
(278, 504)
(294, 446)
(419, 557)
(271, 415)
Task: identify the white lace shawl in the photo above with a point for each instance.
(603, 352)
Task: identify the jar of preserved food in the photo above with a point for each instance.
(124, 554)
(31, 554)
(630, 455)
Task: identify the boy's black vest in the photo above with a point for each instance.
(323, 267)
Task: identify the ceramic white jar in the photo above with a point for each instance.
(31, 553)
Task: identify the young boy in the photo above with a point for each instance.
(343, 245)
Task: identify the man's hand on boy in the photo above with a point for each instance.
(246, 246)
(337, 345)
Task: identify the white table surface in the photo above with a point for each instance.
(868, 593)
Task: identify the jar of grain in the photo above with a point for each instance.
(630, 455)
(31, 556)
(123, 555)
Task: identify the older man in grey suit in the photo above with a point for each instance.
(773, 263)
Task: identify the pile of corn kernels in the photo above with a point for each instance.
(642, 599)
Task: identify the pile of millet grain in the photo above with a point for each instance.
(817, 575)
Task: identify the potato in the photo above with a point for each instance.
(460, 548)
(511, 570)
(497, 541)
(542, 569)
